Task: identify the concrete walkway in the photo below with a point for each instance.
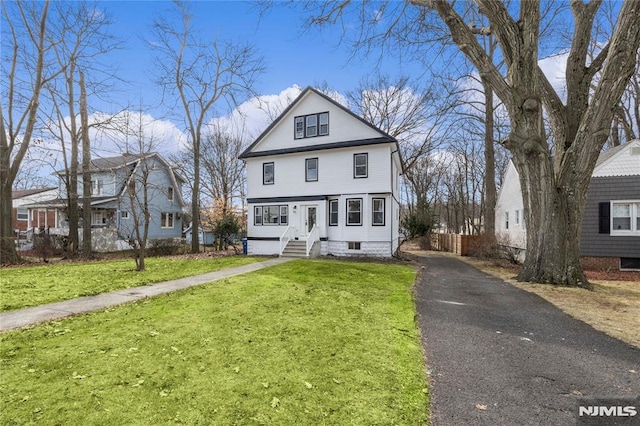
(29, 316)
(498, 355)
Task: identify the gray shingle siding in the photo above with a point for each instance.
(605, 189)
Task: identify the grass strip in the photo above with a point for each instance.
(23, 287)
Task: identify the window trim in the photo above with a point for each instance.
(360, 211)
(273, 173)
(170, 193)
(23, 213)
(506, 220)
(306, 169)
(304, 121)
(354, 245)
(103, 218)
(307, 125)
(298, 134)
(337, 212)
(320, 124)
(259, 211)
(366, 165)
(634, 213)
(373, 211)
(164, 222)
(96, 187)
(257, 214)
(124, 214)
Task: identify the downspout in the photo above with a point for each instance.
(391, 205)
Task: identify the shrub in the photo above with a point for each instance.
(418, 223)
(165, 246)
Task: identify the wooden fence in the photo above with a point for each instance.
(464, 245)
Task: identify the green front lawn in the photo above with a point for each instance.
(36, 285)
(307, 342)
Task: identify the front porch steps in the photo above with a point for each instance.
(297, 248)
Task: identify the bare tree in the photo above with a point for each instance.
(199, 75)
(415, 116)
(25, 45)
(553, 186)
(79, 36)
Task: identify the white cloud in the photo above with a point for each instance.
(253, 116)
(555, 68)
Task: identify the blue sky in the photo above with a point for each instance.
(292, 56)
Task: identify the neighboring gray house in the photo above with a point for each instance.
(610, 236)
(117, 189)
(611, 221)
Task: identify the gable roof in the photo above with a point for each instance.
(623, 160)
(19, 193)
(385, 138)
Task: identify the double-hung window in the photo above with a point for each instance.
(378, 212)
(268, 173)
(170, 193)
(360, 165)
(354, 211)
(166, 220)
(312, 125)
(625, 217)
(333, 212)
(96, 187)
(98, 218)
(311, 169)
(324, 124)
(311, 128)
(22, 214)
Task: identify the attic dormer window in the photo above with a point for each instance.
(312, 125)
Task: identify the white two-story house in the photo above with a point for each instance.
(321, 180)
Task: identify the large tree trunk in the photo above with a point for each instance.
(86, 172)
(195, 197)
(72, 177)
(8, 253)
(553, 214)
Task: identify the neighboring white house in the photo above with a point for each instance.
(610, 237)
(321, 180)
(510, 219)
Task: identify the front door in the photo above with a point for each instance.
(311, 213)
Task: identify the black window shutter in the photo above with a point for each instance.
(604, 218)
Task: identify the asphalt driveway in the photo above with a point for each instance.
(498, 355)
